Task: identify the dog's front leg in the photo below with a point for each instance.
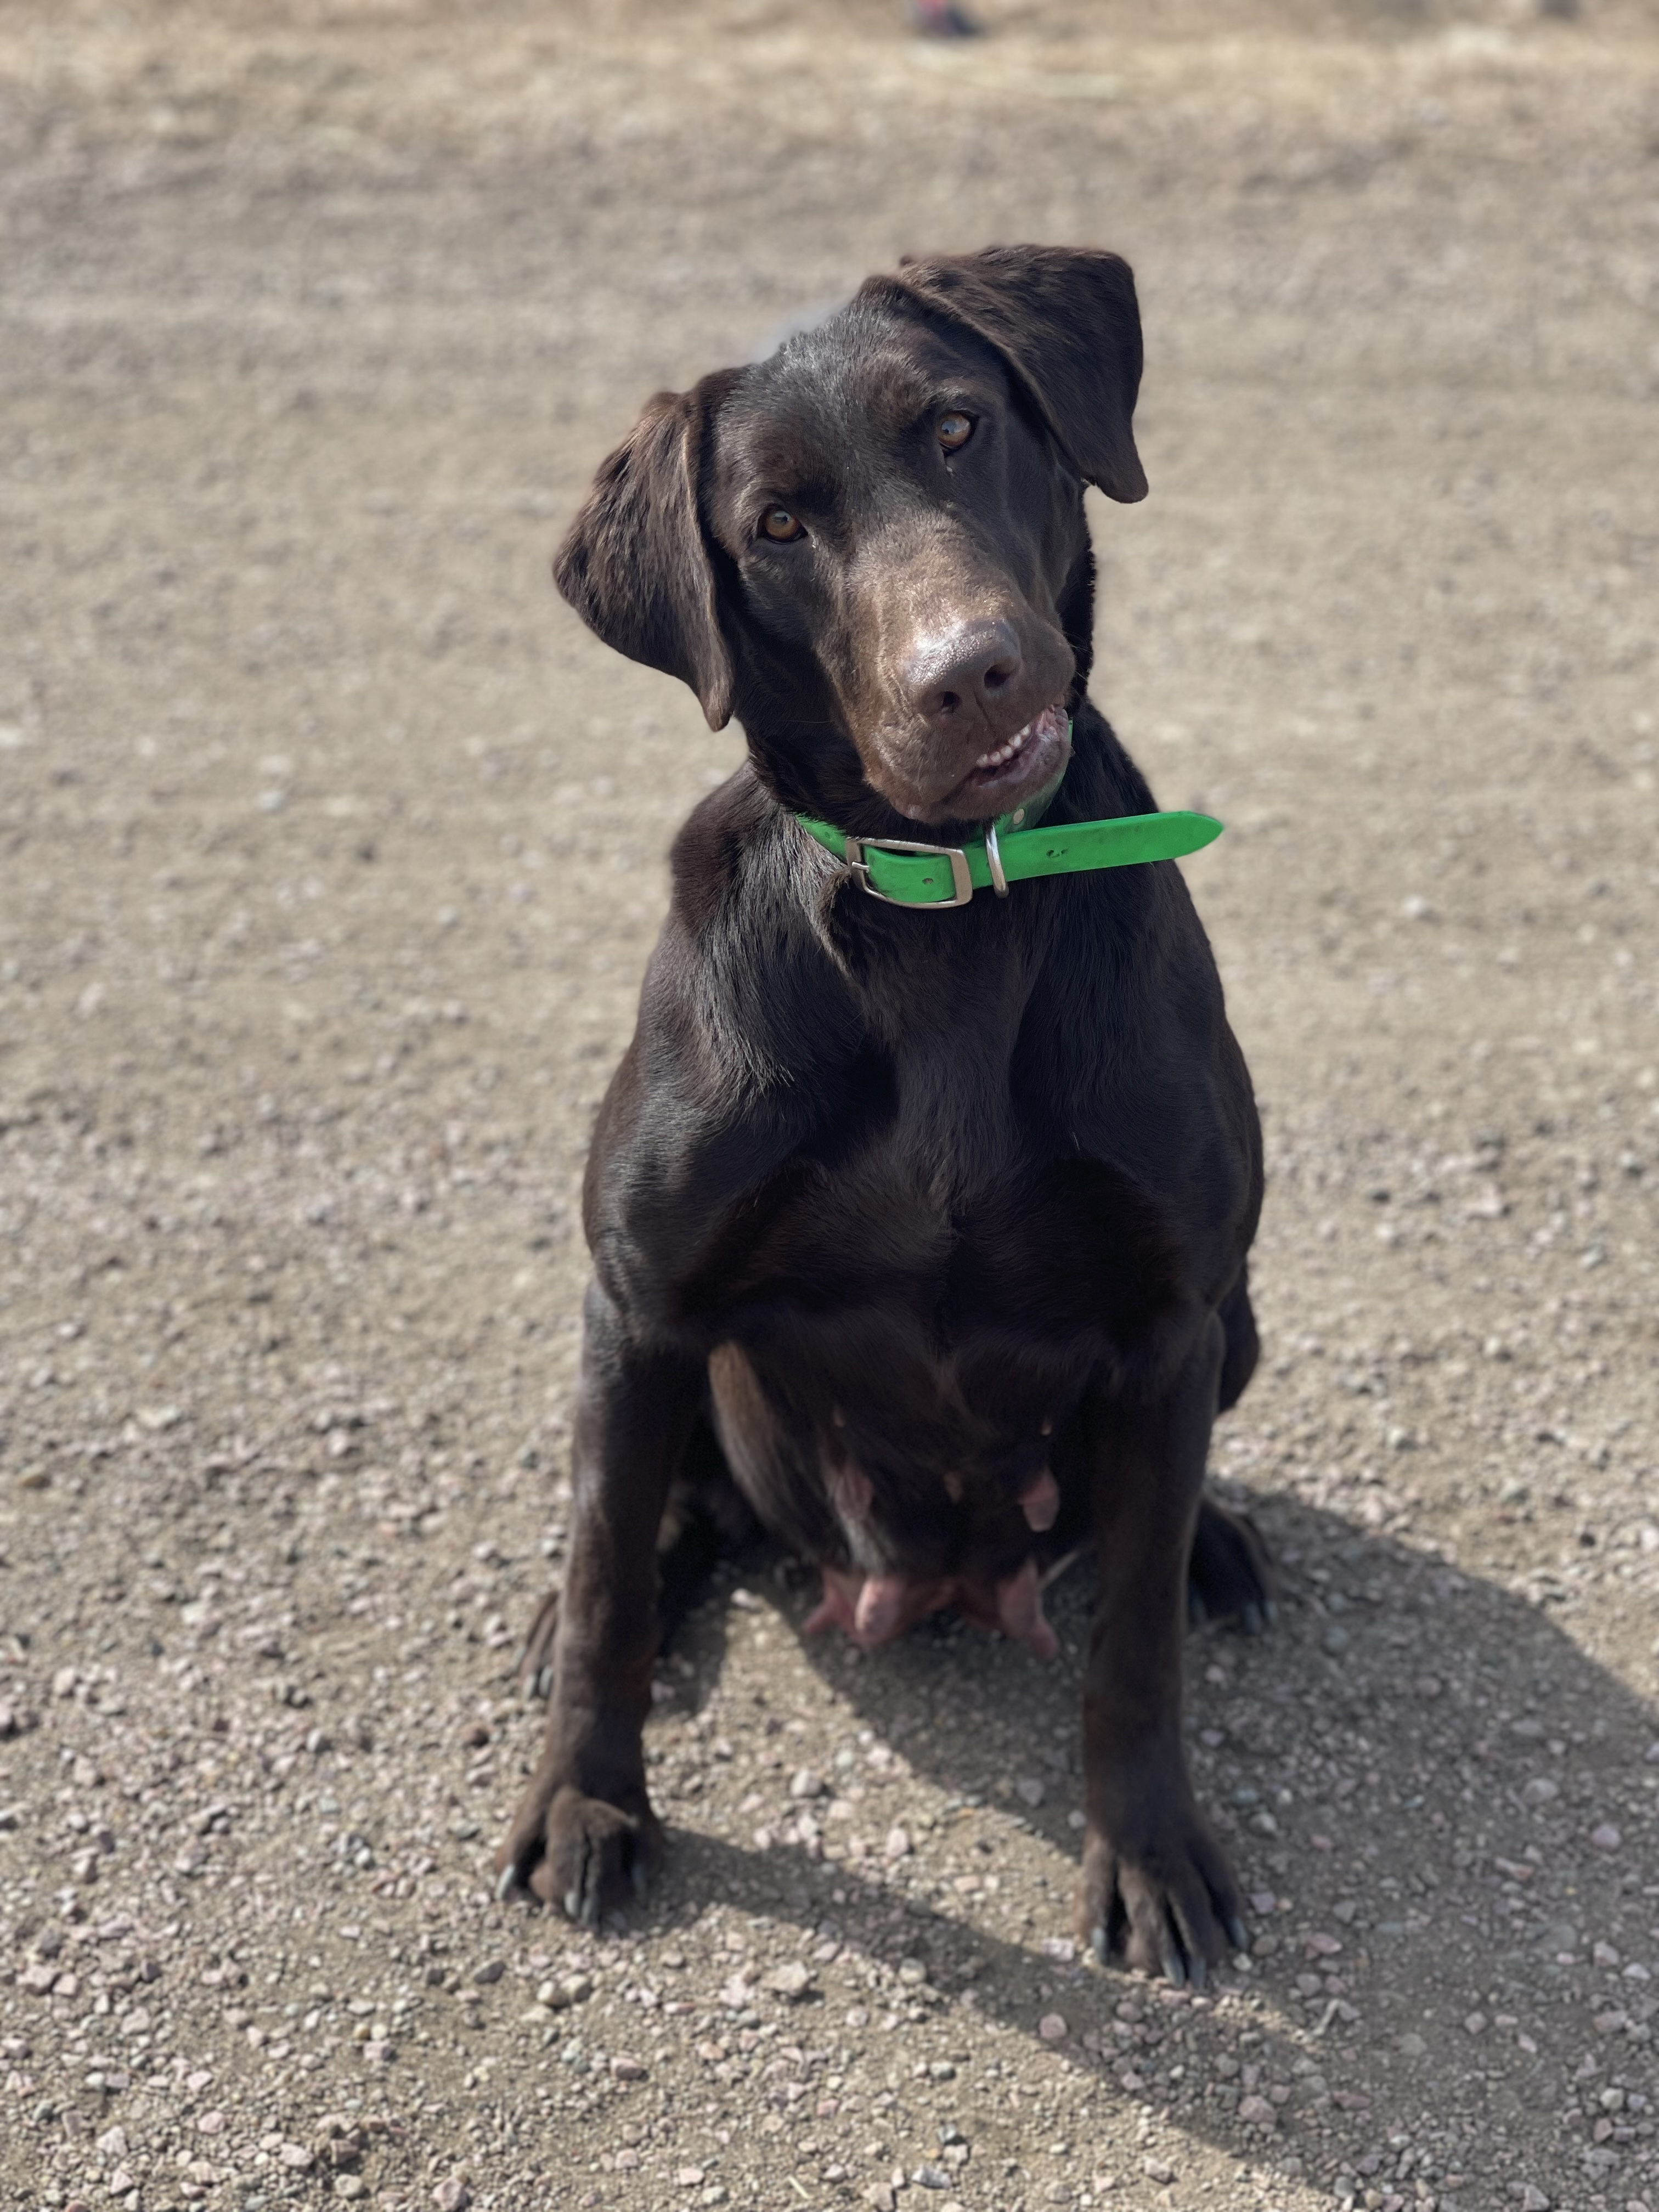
(1155, 1882)
(585, 1836)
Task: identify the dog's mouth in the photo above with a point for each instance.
(1005, 773)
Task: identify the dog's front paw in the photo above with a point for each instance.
(1156, 1887)
(579, 1852)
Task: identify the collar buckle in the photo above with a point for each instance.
(962, 882)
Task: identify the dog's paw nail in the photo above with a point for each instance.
(1238, 1933)
(640, 1880)
(507, 1883)
(1175, 1971)
(1198, 1970)
(1098, 1945)
(1250, 1620)
(1269, 1611)
(590, 1912)
(573, 1905)
(545, 1684)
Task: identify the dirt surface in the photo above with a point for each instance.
(329, 853)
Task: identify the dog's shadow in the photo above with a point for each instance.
(1442, 1808)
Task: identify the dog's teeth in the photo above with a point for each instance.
(1004, 752)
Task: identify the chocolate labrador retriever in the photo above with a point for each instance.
(922, 1232)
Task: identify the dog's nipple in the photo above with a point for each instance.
(1040, 1502)
(1020, 1615)
(834, 1609)
(880, 1609)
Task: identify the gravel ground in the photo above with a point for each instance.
(320, 926)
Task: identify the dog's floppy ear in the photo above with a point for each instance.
(1066, 321)
(634, 563)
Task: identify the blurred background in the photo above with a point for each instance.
(330, 856)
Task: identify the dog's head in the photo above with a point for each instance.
(871, 547)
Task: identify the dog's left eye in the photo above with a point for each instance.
(780, 526)
(953, 431)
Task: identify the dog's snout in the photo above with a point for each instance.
(963, 676)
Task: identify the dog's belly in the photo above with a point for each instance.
(941, 1334)
(909, 1495)
(901, 1356)
(894, 1393)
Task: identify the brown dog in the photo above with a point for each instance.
(927, 1231)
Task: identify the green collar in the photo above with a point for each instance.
(903, 873)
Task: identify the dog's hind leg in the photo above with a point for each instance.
(1243, 1344)
(1229, 1576)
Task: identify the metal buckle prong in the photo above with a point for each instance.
(962, 882)
(993, 862)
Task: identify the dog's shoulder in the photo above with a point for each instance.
(1128, 1045)
(734, 860)
(743, 964)
(1133, 941)
(744, 1036)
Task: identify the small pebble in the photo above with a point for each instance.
(1052, 2028)
(1029, 1791)
(1606, 1838)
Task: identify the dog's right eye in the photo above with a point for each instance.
(780, 526)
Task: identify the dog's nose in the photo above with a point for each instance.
(960, 677)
